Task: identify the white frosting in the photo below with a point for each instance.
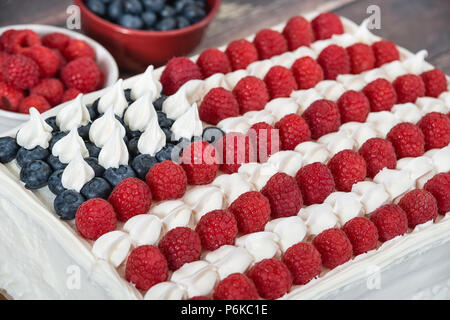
(346, 205)
(330, 89)
(173, 213)
(337, 141)
(416, 64)
(234, 77)
(396, 182)
(147, 84)
(290, 230)
(35, 132)
(204, 199)
(229, 259)
(371, 195)
(313, 152)
(318, 217)
(166, 291)
(74, 115)
(351, 82)
(259, 69)
(234, 124)
(216, 80)
(417, 167)
(144, 229)
(153, 139)
(114, 98)
(232, 186)
(257, 174)
(77, 173)
(261, 245)
(288, 162)
(69, 147)
(393, 70)
(360, 132)
(429, 104)
(440, 158)
(140, 112)
(115, 152)
(188, 125)
(265, 115)
(194, 90)
(407, 112)
(383, 121)
(305, 97)
(176, 105)
(102, 128)
(112, 247)
(197, 278)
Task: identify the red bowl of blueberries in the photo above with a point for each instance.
(143, 32)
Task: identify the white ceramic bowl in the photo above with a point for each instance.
(105, 61)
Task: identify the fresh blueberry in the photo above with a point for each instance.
(142, 165)
(115, 175)
(158, 103)
(166, 153)
(200, 3)
(25, 156)
(166, 24)
(126, 140)
(120, 119)
(67, 203)
(83, 131)
(115, 10)
(35, 174)
(167, 11)
(52, 123)
(56, 137)
(154, 5)
(149, 18)
(132, 6)
(179, 5)
(127, 93)
(133, 134)
(8, 149)
(163, 121)
(55, 184)
(193, 13)
(97, 7)
(94, 151)
(181, 145)
(168, 134)
(98, 169)
(212, 134)
(131, 22)
(196, 138)
(133, 147)
(93, 110)
(182, 22)
(96, 188)
(54, 162)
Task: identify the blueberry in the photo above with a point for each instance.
(94, 151)
(183, 143)
(8, 149)
(52, 123)
(25, 156)
(55, 184)
(167, 11)
(93, 110)
(120, 119)
(98, 169)
(115, 175)
(115, 10)
(133, 134)
(163, 121)
(158, 103)
(83, 131)
(96, 188)
(212, 134)
(127, 93)
(182, 22)
(131, 22)
(55, 163)
(179, 5)
(126, 140)
(166, 153)
(193, 13)
(67, 203)
(97, 7)
(133, 146)
(56, 137)
(149, 18)
(166, 24)
(132, 6)
(154, 5)
(142, 165)
(168, 134)
(200, 3)
(35, 174)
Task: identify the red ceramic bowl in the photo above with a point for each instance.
(133, 49)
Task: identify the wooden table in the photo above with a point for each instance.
(413, 24)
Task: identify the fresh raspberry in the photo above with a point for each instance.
(51, 89)
(353, 106)
(362, 233)
(298, 32)
(217, 228)
(251, 94)
(435, 82)
(293, 130)
(236, 287)
(46, 59)
(234, 149)
(146, 266)
(266, 139)
(322, 117)
(272, 278)
(315, 182)
(199, 161)
(94, 218)
(407, 139)
(334, 246)
(20, 40)
(378, 153)
(420, 206)
(307, 72)
(101, 80)
(180, 245)
(78, 49)
(327, 24)
(409, 87)
(218, 104)
(270, 43)
(361, 57)
(385, 51)
(200, 298)
(280, 82)
(252, 211)
(178, 71)
(20, 71)
(62, 59)
(82, 74)
(167, 180)
(304, 262)
(213, 61)
(33, 101)
(334, 61)
(56, 40)
(390, 220)
(439, 186)
(10, 97)
(130, 197)
(70, 94)
(381, 95)
(436, 130)
(241, 53)
(5, 38)
(347, 168)
(3, 56)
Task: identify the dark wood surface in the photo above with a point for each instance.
(413, 24)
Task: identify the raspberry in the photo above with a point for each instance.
(347, 168)
(33, 101)
(70, 94)
(167, 180)
(234, 149)
(20, 71)
(56, 40)
(3, 56)
(353, 106)
(130, 197)
(322, 117)
(408, 88)
(213, 61)
(217, 228)
(252, 211)
(334, 246)
(20, 40)
(315, 182)
(270, 43)
(81, 74)
(326, 24)
(199, 161)
(236, 287)
(178, 71)
(265, 138)
(420, 206)
(201, 298)
(76, 49)
(293, 130)
(390, 220)
(51, 89)
(241, 53)
(146, 266)
(378, 153)
(439, 187)
(407, 139)
(180, 245)
(94, 218)
(272, 278)
(46, 59)
(435, 82)
(385, 51)
(10, 97)
(361, 57)
(5, 38)
(298, 32)
(280, 82)
(218, 104)
(436, 130)
(381, 95)
(334, 61)
(251, 94)
(304, 262)
(362, 233)
(307, 72)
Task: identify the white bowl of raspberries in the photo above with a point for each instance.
(43, 66)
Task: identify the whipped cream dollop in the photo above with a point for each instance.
(74, 115)
(261, 245)
(166, 291)
(318, 217)
(346, 205)
(147, 83)
(114, 98)
(440, 158)
(112, 247)
(257, 174)
(153, 139)
(35, 132)
(313, 152)
(232, 186)
(290, 230)
(234, 124)
(177, 104)
(229, 259)
(102, 128)
(337, 141)
(144, 229)
(371, 195)
(288, 162)
(407, 112)
(194, 90)
(396, 182)
(203, 199)
(173, 214)
(69, 147)
(281, 107)
(115, 152)
(77, 173)
(188, 125)
(139, 113)
(197, 278)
